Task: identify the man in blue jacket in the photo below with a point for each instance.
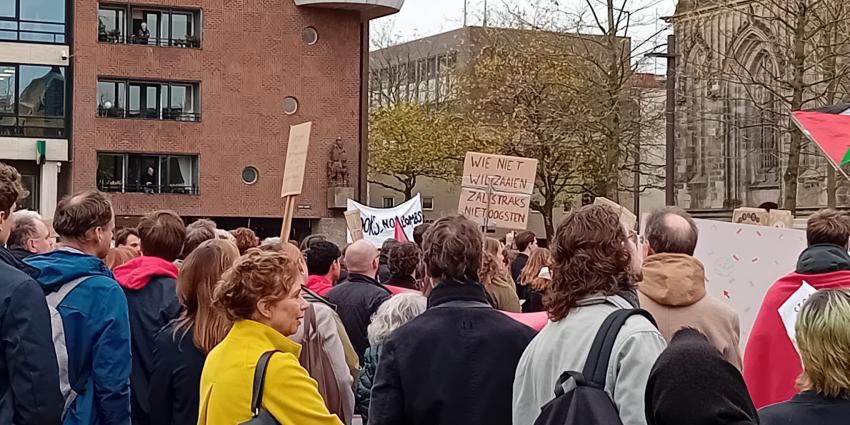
(94, 312)
(29, 375)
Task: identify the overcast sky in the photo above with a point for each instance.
(421, 18)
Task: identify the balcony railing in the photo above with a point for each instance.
(150, 189)
(166, 114)
(11, 126)
(116, 37)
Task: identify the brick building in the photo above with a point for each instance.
(186, 105)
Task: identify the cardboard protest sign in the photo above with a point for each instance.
(790, 309)
(761, 217)
(496, 189)
(504, 210)
(378, 224)
(352, 220)
(296, 159)
(626, 217)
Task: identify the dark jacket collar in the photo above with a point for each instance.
(362, 278)
(403, 282)
(455, 291)
(11, 259)
(823, 258)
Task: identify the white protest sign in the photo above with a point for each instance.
(379, 223)
(790, 309)
(496, 189)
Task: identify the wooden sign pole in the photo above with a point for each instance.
(288, 213)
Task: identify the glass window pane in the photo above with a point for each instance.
(143, 174)
(164, 33)
(110, 172)
(180, 26)
(151, 102)
(180, 174)
(42, 91)
(43, 10)
(110, 25)
(135, 105)
(7, 89)
(30, 183)
(7, 8)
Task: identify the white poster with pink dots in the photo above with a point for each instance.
(742, 261)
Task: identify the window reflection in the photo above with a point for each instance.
(7, 89)
(32, 100)
(33, 20)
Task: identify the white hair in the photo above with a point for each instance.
(394, 313)
(224, 234)
(271, 241)
(27, 214)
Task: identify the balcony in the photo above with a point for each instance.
(147, 26)
(147, 173)
(149, 100)
(369, 9)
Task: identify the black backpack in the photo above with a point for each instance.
(588, 403)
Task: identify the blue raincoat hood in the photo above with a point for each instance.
(65, 264)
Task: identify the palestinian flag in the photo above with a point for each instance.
(829, 128)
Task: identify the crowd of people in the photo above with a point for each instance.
(169, 323)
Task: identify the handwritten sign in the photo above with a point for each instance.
(496, 189)
(352, 220)
(790, 309)
(296, 159)
(378, 224)
(756, 216)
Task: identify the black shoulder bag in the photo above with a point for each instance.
(259, 415)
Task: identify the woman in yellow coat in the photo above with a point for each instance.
(261, 293)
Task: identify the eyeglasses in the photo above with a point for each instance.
(635, 238)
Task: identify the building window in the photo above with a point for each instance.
(428, 203)
(39, 21)
(250, 175)
(389, 202)
(147, 173)
(310, 36)
(152, 100)
(32, 100)
(290, 105)
(30, 183)
(427, 81)
(149, 26)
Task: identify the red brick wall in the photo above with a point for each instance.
(252, 57)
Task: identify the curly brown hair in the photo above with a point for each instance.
(404, 259)
(245, 239)
(491, 267)
(11, 190)
(591, 257)
(257, 275)
(530, 275)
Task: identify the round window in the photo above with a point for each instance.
(250, 175)
(290, 105)
(310, 36)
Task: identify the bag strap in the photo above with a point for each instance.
(259, 382)
(596, 365)
(56, 298)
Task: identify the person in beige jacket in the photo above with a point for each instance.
(673, 286)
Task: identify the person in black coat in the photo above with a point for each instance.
(181, 347)
(403, 261)
(824, 343)
(149, 283)
(455, 363)
(384, 261)
(29, 373)
(359, 298)
(691, 383)
(525, 244)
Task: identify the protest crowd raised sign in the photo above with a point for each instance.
(496, 189)
(378, 224)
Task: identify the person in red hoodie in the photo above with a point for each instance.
(771, 362)
(323, 266)
(149, 283)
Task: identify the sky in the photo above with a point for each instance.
(421, 18)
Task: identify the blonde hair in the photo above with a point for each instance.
(491, 267)
(394, 313)
(530, 275)
(823, 338)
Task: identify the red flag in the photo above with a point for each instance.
(399, 232)
(829, 128)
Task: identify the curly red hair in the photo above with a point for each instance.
(591, 257)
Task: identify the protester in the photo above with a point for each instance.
(310, 240)
(692, 383)
(129, 237)
(525, 242)
(418, 234)
(201, 223)
(29, 388)
(261, 294)
(119, 256)
(535, 279)
(93, 313)
(326, 351)
(391, 315)
(323, 266)
(500, 289)
(771, 363)
(29, 235)
(403, 261)
(224, 234)
(245, 239)
(181, 347)
(823, 339)
(358, 299)
(455, 363)
(149, 283)
(384, 263)
(593, 262)
(195, 236)
(673, 286)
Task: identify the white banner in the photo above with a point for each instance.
(379, 223)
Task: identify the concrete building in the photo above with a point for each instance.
(424, 70)
(186, 105)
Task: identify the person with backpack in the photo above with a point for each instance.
(182, 346)
(29, 375)
(149, 283)
(454, 363)
(693, 383)
(771, 362)
(94, 368)
(254, 373)
(594, 262)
